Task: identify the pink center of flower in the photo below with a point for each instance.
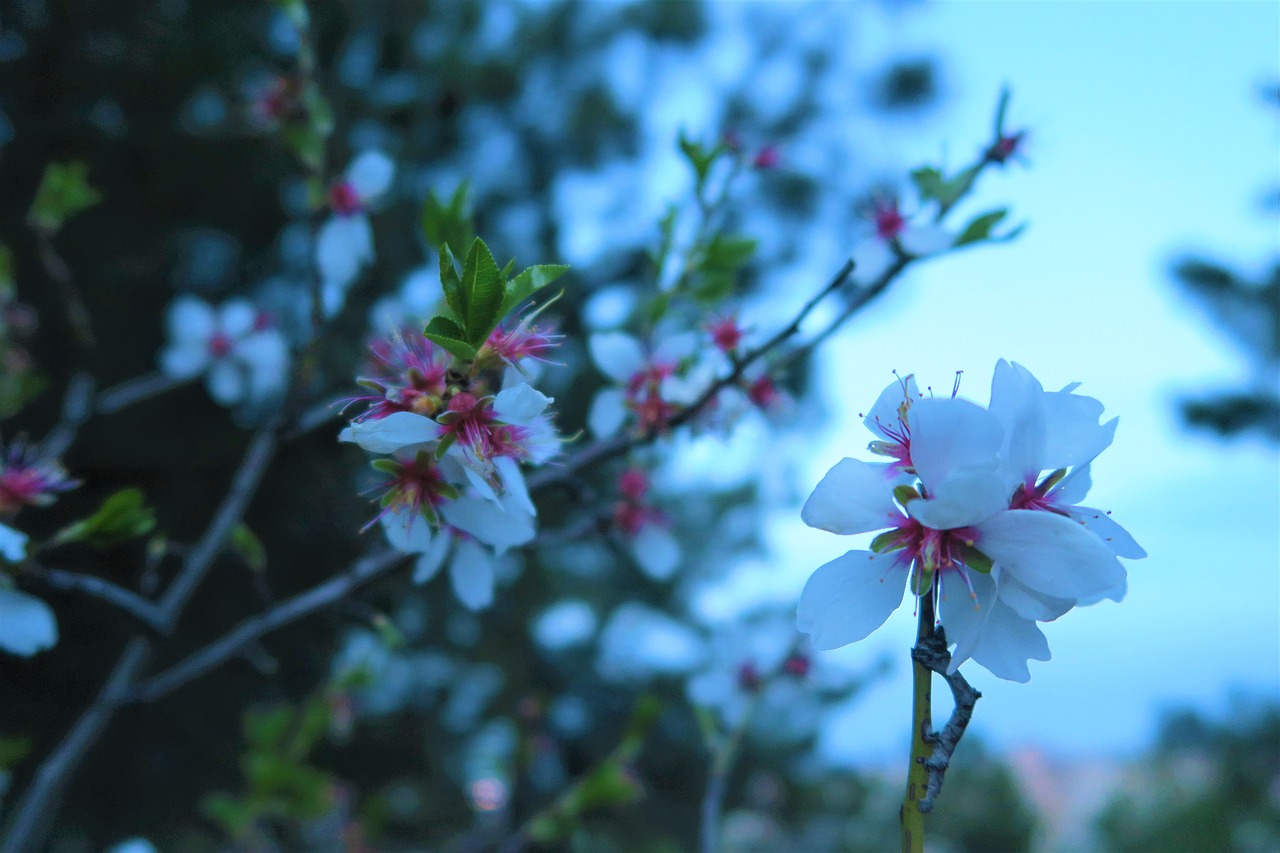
(889, 222)
(263, 320)
(343, 199)
(725, 334)
(749, 679)
(768, 158)
(633, 484)
(763, 392)
(644, 397)
(219, 344)
(1006, 146)
(797, 665)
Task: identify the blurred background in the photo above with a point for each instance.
(1149, 271)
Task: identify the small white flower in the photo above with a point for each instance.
(242, 356)
(27, 625)
(893, 231)
(344, 244)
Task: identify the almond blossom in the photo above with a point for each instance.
(652, 546)
(993, 559)
(344, 244)
(894, 233)
(237, 348)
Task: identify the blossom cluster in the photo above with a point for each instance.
(980, 510)
(452, 436)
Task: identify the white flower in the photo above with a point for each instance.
(994, 563)
(27, 625)
(639, 643)
(13, 544)
(893, 231)
(651, 387)
(344, 244)
(242, 356)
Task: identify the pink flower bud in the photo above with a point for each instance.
(767, 158)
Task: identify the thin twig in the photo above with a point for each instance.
(56, 268)
(933, 655)
(76, 408)
(286, 612)
(135, 390)
(131, 602)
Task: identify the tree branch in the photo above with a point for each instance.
(286, 612)
(131, 602)
(931, 653)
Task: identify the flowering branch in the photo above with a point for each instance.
(617, 445)
(932, 654)
(131, 602)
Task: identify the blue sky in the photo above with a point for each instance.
(1148, 139)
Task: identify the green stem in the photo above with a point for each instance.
(910, 816)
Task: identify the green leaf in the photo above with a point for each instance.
(931, 184)
(450, 282)
(233, 816)
(265, 728)
(729, 252)
(448, 224)
(699, 158)
(482, 293)
(527, 283)
(13, 750)
(979, 228)
(448, 334)
(247, 546)
(1001, 108)
(904, 494)
(122, 517)
(64, 191)
(975, 559)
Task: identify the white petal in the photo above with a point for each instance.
(226, 382)
(1102, 525)
(191, 319)
(1074, 436)
(1008, 641)
(395, 431)
(406, 532)
(520, 404)
(1050, 553)
(949, 434)
(676, 348)
(1017, 401)
(236, 318)
(925, 239)
(471, 573)
(13, 544)
(608, 412)
(515, 493)
(1073, 488)
(370, 174)
(849, 597)
(888, 410)
(428, 565)
(541, 441)
(619, 356)
(27, 624)
(871, 258)
(853, 497)
(498, 525)
(965, 498)
(342, 246)
(267, 358)
(185, 360)
(964, 614)
(656, 552)
(1030, 604)
(333, 295)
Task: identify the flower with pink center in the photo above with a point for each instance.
(993, 566)
(1008, 146)
(344, 243)
(651, 386)
(410, 375)
(894, 234)
(242, 356)
(655, 550)
(27, 481)
(513, 345)
(726, 334)
(417, 486)
(767, 157)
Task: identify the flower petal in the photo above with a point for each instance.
(849, 597)
(1017, 401)
(520, 404)
(1074, 436)
(886, 414)
(428, 565)
(226, 382)
(619, 356)
(925, 239)
(191, 320)
(964, 613)
(656, 552)
(1072, 488)
(965, 498)
(871, 258)
(13, 544)
(409, 533)
(608, 412)
(948, 434)
(853, 497)
(1008, 641)
(395, 431)
(1050, 553)
(236, 318)
(501, 526)
(27, 625)
(370, 174)
(185, 359)
(1102, 525)
(1030, 604)
(471, 574)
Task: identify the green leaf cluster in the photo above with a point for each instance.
(279, 781)
(701, 158)
(480, 297)
(448, 224)
(122, 517)
(715, 274)
(64, 191)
